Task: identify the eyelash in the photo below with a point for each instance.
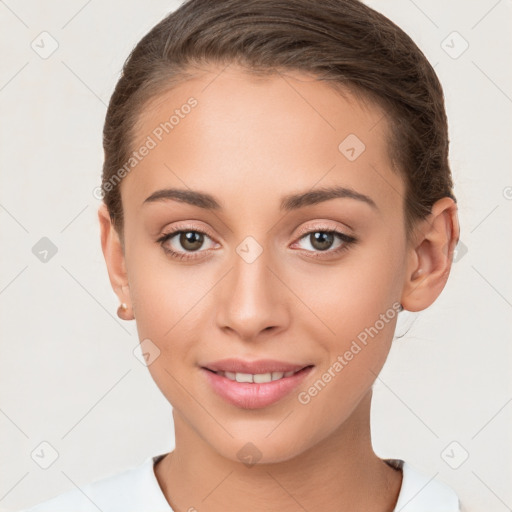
(346, 239)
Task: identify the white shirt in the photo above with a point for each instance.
(137, 490)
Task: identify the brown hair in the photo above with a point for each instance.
(342, 41)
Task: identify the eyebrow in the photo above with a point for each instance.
(288, 203)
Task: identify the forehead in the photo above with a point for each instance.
(226, 130)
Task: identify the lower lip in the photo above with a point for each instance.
(254, 396)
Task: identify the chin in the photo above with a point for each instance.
(261, 448)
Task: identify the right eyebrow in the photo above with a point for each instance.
(195, 198)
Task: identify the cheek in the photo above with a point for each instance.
(350, 296)
(165, 295)
(167, 308)
(356, 304)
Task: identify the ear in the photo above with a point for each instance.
(113, 251)
(430, 256)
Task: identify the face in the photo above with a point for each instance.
(262, 269)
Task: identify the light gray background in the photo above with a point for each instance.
(68, 373)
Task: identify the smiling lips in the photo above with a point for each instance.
(256, 384)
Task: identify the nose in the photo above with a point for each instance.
(253, 299)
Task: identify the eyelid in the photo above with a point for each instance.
(322, 226)
(186, 226)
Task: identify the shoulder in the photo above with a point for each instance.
(135, 488)
(422, 493)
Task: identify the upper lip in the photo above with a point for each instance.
(254, 367)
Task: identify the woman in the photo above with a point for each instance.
(276, 190)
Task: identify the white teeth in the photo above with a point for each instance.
(243, 377)
(258, 378)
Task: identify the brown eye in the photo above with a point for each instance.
(191, 240)
(321, 240)
(185, 244)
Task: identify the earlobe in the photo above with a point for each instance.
(113, 253)
(431, 255)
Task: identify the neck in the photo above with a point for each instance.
(340, 473)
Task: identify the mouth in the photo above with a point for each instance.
(255, 384)
(256, 378)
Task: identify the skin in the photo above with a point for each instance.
(249, 142)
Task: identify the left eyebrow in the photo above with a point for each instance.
(288, 203)
(319, 195)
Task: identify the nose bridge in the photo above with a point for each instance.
(253, 299)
